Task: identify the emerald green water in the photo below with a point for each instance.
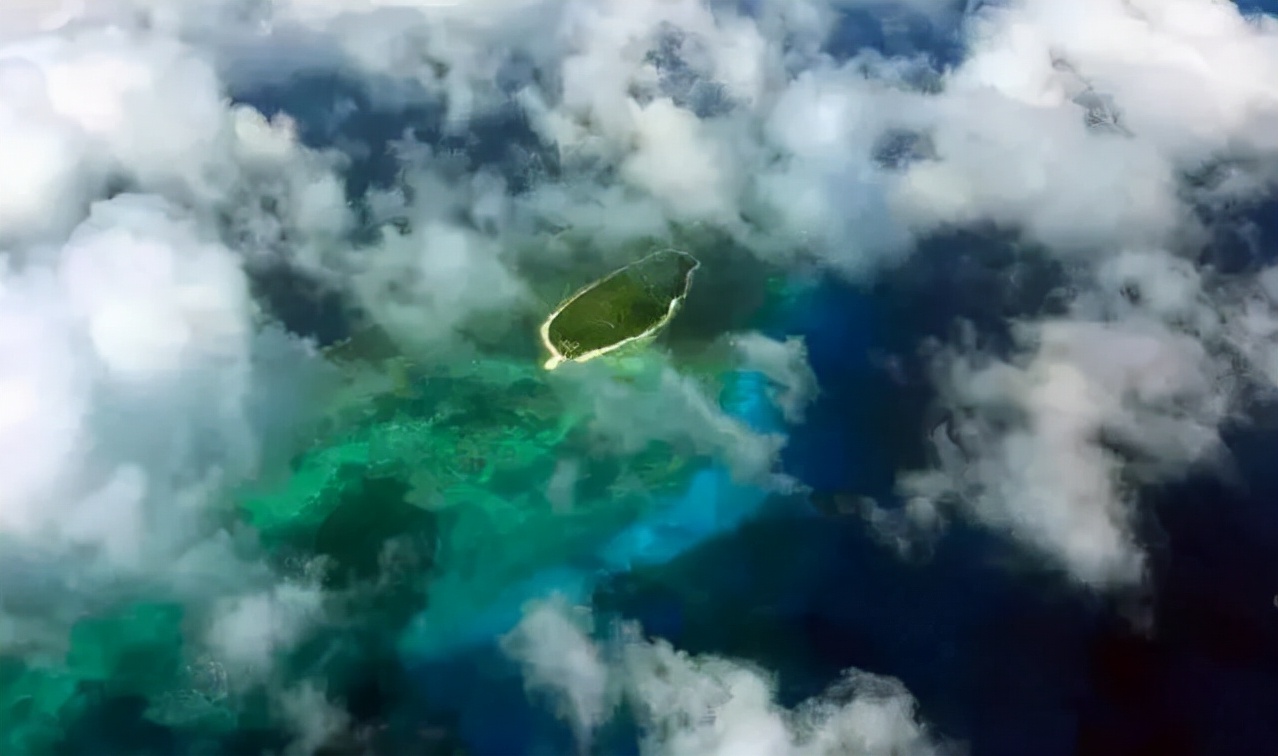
(424, 503)
(480, 477)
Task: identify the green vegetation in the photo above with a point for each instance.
(625, 305)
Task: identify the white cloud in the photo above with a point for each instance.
(137, 315)
(314, 719)
(1043, 441)
(553, 645)
(248, 631)
(1189, 84)
(659, 404)
(703, 705)
(785, 364)
(140, 380)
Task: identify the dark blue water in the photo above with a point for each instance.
(1257, 6)
(1001, 653)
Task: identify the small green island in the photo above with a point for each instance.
(628, 306)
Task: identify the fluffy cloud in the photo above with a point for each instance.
(704, 704)
(785, 364)
(1052, 446)
(662, 405)
(128, 364)
(1105, 105)
(141, 380)
(133, 348)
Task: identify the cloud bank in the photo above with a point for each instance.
(703, 704)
